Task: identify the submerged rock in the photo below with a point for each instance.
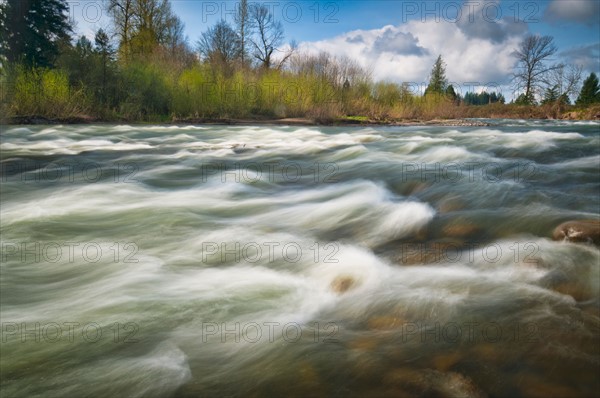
(462, 230)
(569, 284)
(582, 231)
(385, 323)
(451, 205)
(342, 284)
(433, 383)
(443, 362)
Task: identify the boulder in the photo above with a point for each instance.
(433, 383)
(462, 230)
(582, 231)
(342, 284)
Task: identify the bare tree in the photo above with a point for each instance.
(243, 25)
(220, 45)
(531, 70)
(122, 12)
(268, 36)
(566, 79)
(336, 71)
(287, 55)
(142, 25)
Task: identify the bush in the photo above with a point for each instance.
(147, 92)
(45, 93)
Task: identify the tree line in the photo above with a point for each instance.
(146, 69)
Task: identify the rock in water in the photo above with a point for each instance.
(586, 231)
(432, 383)
(342, 284)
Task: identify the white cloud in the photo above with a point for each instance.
(407, 52)
(581, 11)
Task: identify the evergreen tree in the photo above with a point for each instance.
(590, 91)
(525, 99)
(550, 96)
(483, 98)
(437, 80)
(105, 52)
(451, 93)
(32, 30)
(78, 62)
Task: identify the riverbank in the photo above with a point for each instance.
(453, 116)
(591, 114)
(39, 120)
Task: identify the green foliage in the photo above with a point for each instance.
(144, 25)
(450, 93)
(147, 91)
(552, 96)
(45, 92)
(154, 76)
(437, 80)
(483, 98)
(524, 99)
(590, 91)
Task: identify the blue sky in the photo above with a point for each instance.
(399, 40)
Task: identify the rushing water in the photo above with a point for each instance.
(301, 261)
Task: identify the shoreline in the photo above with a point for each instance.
(39, 120)
(297, 121)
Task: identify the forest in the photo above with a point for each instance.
(144, 69)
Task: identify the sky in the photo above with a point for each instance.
(398, 40)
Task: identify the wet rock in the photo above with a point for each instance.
(453, 384)
(462, 230)
(491, 353)
(433, 383)
(413, 188)
(409, 379)
(575, 289)
(581, 231)
(363, 344)
(342, 284)
(567, 283)
(451, 205)
(444, 362)
(534, 386)
(385, 323)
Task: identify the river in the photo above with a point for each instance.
(159, 261)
